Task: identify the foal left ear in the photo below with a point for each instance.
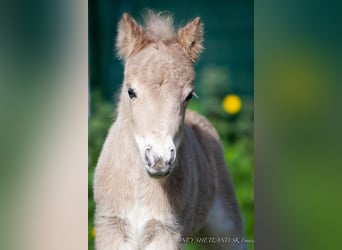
(131, 37)
(191, 38)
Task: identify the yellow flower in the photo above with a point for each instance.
(93, 232)
(232, 104)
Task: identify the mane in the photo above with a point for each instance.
(159, 26)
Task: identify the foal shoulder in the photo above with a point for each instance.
(205, 145)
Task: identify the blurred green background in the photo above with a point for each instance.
(224, 84)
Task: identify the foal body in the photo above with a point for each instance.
(135, 212)
(161, 179)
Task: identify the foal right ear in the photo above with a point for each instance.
(191, 38)
(131, 37)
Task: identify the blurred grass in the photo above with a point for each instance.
(238, 151)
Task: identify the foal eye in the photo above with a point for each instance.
(188, 97)
(131, 93)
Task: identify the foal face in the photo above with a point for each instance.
(157, 85)
(157, 88)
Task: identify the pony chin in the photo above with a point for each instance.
(163, 173)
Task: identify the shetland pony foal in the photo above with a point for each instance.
(161, 174)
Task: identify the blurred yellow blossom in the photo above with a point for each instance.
(93, 232)
(232, 104)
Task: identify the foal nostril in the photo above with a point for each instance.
(172, 153)
(172, 156)
(148, 156)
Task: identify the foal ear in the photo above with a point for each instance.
(131, 37)
(191, 38)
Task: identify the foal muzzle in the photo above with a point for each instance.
(159, 166)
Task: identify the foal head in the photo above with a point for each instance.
(158, 84)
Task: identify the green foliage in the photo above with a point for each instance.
(239, 157)
(101, 117)
(213, 85)
(235, 131)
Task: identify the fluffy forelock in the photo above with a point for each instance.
(159, 26)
